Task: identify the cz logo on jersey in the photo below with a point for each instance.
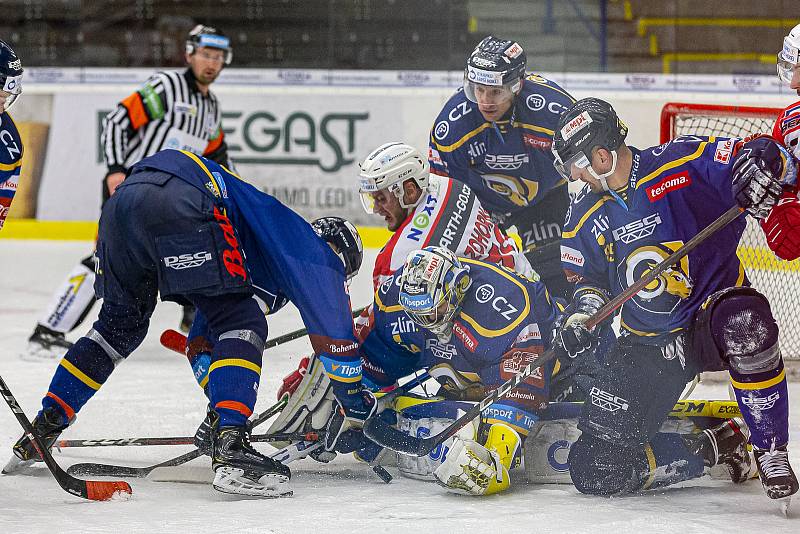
(187, 261)
(636, 230)
(607, 401)
(505, 162)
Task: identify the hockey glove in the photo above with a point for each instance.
(348, 418)
(293, 379)
(759, 171)
(781, 226)
(570, 336)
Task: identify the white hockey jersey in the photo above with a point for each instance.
(450, 216)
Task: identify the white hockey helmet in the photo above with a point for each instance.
(432, 287)
(789, 56)
(388, 167)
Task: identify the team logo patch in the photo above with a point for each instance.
(446, 351)
(535, 102)
(673, 182)
(484, 293)
(441, 130)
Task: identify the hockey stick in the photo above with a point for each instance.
(387, 436)
(88, 489)
(97, 469)
(176, 341)
(177, 440)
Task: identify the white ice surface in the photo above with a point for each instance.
(154, 394)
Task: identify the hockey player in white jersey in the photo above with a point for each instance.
(423, 209)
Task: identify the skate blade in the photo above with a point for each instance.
(783, 505)
(15, 465)
(232, 480)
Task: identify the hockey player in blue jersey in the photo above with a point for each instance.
(185, 227)
(487, 323)
(10, 141)
(494, 134)
(636, 208)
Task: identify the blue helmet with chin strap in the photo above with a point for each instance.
(10, 74)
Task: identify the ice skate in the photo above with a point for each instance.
(45, 344)
(242, 470)
(777, 476)
(726, 448)
(48, 426)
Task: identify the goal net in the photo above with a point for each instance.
(777, 279)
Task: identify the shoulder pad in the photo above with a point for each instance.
(457, 119)
(498, 300)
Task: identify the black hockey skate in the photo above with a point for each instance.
(776, 474)
(45, 344)
(48, 426)
(240, 469)
(726, 445)
(205, 433)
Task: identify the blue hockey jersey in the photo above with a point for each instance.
(10, 164)
(505, 321)
(286, 260)
(508, 163)
(674, 191)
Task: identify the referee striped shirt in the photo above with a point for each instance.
(168, 111)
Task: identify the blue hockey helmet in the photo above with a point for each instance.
(10, 75)
(344, 238)
(209, 37)
(497, 63)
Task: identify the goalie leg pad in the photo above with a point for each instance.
(547, 449)
(426, 420)
(472, 469)
(310, 406)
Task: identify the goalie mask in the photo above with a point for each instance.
(10, 75)
(208, 37)
(344, 239)
(496, 67)
(432, 288)
(789, 56)
(588, 124)
(388, 167)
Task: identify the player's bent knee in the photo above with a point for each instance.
(744, 330)
(236, 316)
(598, 467)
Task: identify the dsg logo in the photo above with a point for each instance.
(187, 261)
(505, 162)
(638, 229)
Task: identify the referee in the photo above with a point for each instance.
(173, 109)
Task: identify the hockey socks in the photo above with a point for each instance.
(82, 371)
(764, 402)
(233, 379)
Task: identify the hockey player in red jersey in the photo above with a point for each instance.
(781, 224)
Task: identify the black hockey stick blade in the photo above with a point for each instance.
(97, 469)
(109, 470)
(387, 436)
(88, 489)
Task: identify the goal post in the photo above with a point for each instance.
(777, 279)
